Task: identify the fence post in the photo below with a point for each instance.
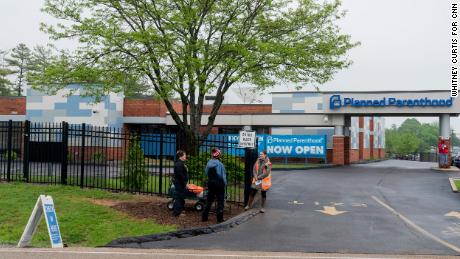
(25, 156)
(82, 154)
(65, 152)
(161, 162)
(9, 150)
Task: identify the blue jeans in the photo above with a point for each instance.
(443, 160)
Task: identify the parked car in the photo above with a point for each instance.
(456, 159)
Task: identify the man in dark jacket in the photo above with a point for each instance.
(180, 182)
(217, 181)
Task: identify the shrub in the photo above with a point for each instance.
(14, 155)
(134, 174)
(99, 157)
(233, 166)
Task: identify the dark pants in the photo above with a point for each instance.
(215, 191)
(179, 201)
(263, 193)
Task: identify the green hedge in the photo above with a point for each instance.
(233, 166)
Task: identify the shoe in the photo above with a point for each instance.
(262, 210)
(204, 220)
(246, 208)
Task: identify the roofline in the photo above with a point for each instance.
(367, 92)
(12, 97)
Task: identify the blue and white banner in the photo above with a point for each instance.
(304, 146)
(296, 146)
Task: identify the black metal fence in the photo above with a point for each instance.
(115, 159)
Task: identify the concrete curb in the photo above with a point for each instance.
(452, 169)
(368, 162)
(452, 184)
(191, 232)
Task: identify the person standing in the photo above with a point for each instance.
(217, 181)
(180, 182)
(443, 154)
(261, 180)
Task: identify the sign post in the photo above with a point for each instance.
(247, 140)
(44, 205)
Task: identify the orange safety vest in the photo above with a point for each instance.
(267, 181)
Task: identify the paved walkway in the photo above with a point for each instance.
(383, 208)
(177, 254)
(405, 164)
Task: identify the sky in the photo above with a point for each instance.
(405, 44)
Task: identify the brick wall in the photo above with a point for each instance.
(214, 130)
(147, 108)
(151, 108)
(329, 155)
(371, 147)
(338, 157)
(12, 105)
(241, 108)
(379, 153)
(354, 155)
(366, 154)
(382, 153)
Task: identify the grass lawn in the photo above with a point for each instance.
(295, 166)
(82, 223)
(457, 183)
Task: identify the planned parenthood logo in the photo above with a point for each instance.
(336, 102)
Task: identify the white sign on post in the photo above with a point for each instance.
(44, 205)
(247, 139)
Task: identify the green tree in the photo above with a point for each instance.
(41, 57)
(5, 83)
(455, 140)
(391, 139)
(192, 48)
(135, 174)
(407, 143)
(18, 62)
(414, 137)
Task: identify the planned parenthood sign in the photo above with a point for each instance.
(304, 146)
(296, 146)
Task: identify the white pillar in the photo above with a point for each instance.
(338, 130)
(444, 125)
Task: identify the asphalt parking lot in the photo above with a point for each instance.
(390, 207)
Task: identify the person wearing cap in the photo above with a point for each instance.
(217, 181)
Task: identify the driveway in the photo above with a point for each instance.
(390, 207)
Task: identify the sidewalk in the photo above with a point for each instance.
(99, 253)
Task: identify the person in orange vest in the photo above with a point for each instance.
(261, 180)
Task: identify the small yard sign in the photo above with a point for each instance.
(247, 139)
(44, 205)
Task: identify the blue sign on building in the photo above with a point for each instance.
(336, 102)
